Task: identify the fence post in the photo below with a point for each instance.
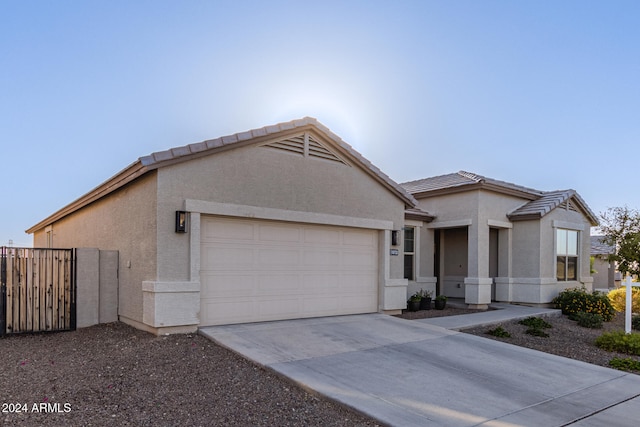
(3, 291)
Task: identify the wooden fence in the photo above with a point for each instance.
(38, 290)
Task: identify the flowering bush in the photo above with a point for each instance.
(618, 298)
(578, 300)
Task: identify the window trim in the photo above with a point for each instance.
(411, 253)
(567, 260)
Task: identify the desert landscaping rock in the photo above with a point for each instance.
(115, 375)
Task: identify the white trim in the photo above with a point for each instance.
(450, 224)
(413, 223)
(499, 224)
(568, 225)
(228, 209)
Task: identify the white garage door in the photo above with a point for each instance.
(254, 270)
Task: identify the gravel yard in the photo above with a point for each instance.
(565, 339)
(115, 375)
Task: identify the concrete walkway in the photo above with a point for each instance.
(500, 313)
(412, 373)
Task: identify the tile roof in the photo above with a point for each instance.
(598, 247)
(461, 179)
(540, 202)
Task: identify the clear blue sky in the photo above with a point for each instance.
(544, 94)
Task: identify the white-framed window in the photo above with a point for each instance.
(566, 254)
(409, 252)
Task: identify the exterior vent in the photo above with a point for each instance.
(294, 144)
(569, 206)
(306, 146)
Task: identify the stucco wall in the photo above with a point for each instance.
(264, 177)
(123, 221)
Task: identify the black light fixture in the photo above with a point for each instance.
(181, 221)
(394, 237)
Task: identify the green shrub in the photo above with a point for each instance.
(499, 332)
(535, 322)
(620, 341)
(618, 298)
(589, 320)
(537, 332)
(635, 323)
(577, 300)
(627, 364)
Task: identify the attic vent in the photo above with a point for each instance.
(306, 146)
(568, 205)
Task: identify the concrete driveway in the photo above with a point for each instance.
(409, 373)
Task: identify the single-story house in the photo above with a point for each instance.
(280, 222)
(494, 240)
(289, 221)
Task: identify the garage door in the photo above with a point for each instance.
(253, 270)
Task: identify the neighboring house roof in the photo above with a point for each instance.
(598, 247)
(184, 153)
(540, 204)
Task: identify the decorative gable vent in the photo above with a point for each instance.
(306, 146)
(569, 205)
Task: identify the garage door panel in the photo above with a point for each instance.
(278, 283)
(285, 271)
(319, 236)
(277, 308)
(227, 257)
(320, 306)
(321, 258)
(360, 238)
(279, 256)
(359, 259)
(319, 283)
(356, 282)
(226, 229)
(227, 285)
(269, 233)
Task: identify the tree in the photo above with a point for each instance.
(621, 228)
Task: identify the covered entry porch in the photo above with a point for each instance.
(472, 261)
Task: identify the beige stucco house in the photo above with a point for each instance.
(281, 222)
(494, 240)
(289, 221)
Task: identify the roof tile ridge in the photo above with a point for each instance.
(430, 178)
(472, 176)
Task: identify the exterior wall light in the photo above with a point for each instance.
(181, 221)
(394, 237)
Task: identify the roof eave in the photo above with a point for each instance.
(119, 180)
(418, 216)
(461, 188)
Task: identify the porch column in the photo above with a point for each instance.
(504, 281)
(477, 285)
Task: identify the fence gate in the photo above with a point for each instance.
(38, 290)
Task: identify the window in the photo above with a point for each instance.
(567, 254)
(409, 252)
